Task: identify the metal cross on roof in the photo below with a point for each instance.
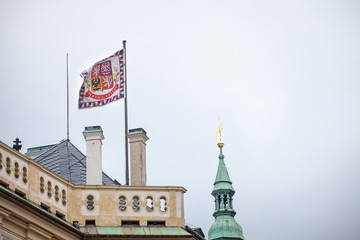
(17, 146)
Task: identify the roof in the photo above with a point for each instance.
(40, 148)
(225, 226)
(222, 180)
(135, 231)
(65, 160)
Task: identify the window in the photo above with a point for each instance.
(149, 204)
(60, 215)
(130, 223)
(225, 201)
(163, 207)
(218, 202)
(122, 203)
(16, 170)
(20, 193)
(8, 166)
(136, 202)
(45, 207)
(24, 175)
(42, 187)
(63, 197)
(57, 193)
(4, 184)
(90, 222)
(90, 202)
(49, 189)
(156, 223)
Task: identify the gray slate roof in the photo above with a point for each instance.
(65, 160)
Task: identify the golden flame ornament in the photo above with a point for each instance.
(218, 136)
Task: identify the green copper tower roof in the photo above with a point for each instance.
(225, 226)
(222, 180)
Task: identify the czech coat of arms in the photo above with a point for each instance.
(101, 77)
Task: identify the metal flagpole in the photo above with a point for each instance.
(67, 94)
(126, 119)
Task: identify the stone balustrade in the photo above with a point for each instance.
(103, 205)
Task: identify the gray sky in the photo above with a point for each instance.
(283, 77)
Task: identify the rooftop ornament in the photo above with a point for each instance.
(225, 226)
(17, 146)
(218, 136)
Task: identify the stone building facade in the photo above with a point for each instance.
(56, 192)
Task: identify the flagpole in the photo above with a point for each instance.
(126, 119)
(67, 96)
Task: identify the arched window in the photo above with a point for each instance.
(225, 201)
(16, 170)
(42, 185)
(8, 165)
(90, 202)
(122, 203)
(216, 202)
(136, 203)
(163, 207)
(49, 189)
(149, 204)
(24, 175)
(63, 197)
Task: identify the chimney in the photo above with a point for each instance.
(138, 140)
(93, 137)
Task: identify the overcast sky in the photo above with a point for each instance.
(283, 77)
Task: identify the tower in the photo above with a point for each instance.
(225, 226)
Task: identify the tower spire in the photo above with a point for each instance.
(225, 226)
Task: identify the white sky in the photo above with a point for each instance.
(283, 77)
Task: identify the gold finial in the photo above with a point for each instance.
(218, 136)
(218, 132)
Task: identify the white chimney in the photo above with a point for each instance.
(93, 137)
(138, 140)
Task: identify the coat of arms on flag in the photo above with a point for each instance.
(103, 82)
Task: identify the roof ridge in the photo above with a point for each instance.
(75, 147)
(54, 145)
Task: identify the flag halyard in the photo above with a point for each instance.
(103, 82)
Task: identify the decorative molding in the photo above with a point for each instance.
(3, 214)
(36, 229)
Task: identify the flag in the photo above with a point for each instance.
(103, 82)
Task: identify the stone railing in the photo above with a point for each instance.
(123, 205)
(14, 172)
(32, 181)
(82, 204)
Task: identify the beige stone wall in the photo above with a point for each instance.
(46, 188)
(8, 171)
(106, 212)
(18, 223)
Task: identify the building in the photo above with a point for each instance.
(56, 192)
(225, 227)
